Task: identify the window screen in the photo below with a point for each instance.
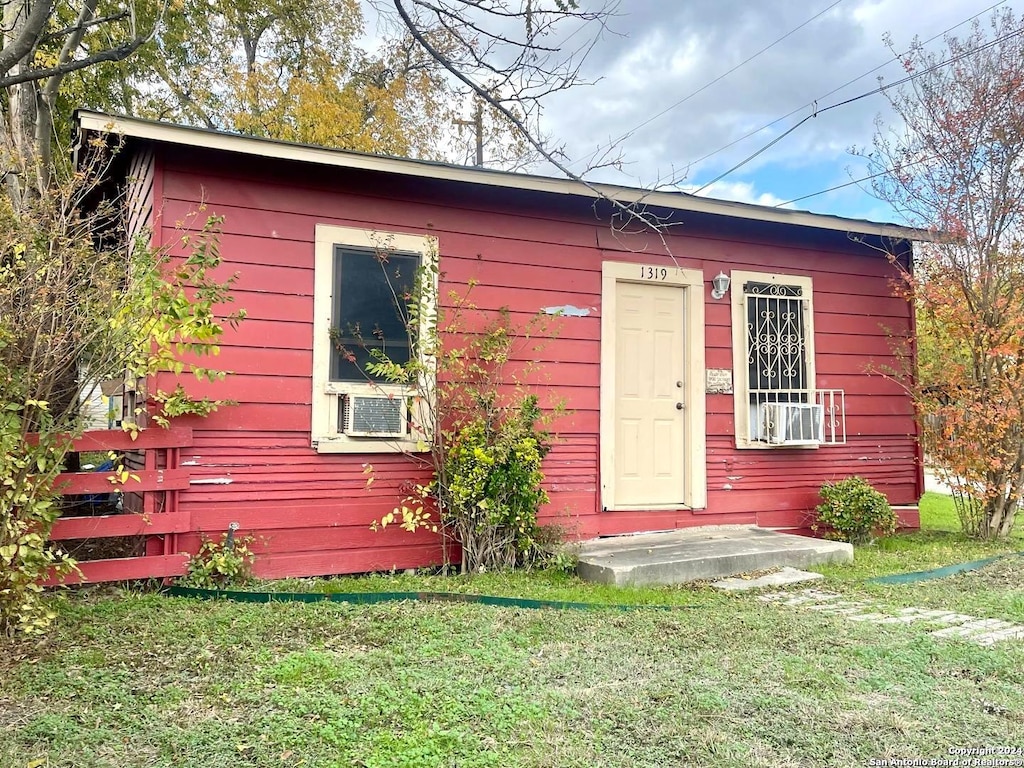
(370, 295)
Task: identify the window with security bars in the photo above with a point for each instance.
(776, 343)
(775, 394)
(777, 402)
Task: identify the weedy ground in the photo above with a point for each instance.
(131, 678)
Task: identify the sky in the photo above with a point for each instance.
(660, 53)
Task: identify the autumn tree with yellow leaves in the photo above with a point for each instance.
(306, 71)
(285, 69)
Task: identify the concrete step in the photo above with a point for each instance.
(696, 554)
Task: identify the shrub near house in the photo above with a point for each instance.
(853, 511)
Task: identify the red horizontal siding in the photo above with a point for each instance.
(280, 566)
(310, 538)
(323, 513)
(251, 463)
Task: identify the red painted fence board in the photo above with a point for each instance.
(125, 569)
(119, 440)
(77, 483)
(142, 484)
(102, 526)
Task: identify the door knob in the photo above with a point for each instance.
(679, 406)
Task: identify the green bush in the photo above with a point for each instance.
(220, 564)
(482, 428)
(853, 511)
(28, 509)
(493, 489)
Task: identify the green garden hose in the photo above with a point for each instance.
(368, 598)
(939, 573)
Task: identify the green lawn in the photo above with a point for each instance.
(990, 594)
(132, 679)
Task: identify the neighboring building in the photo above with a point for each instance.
(688, 405)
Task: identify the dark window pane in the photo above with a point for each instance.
(776, 344)
(370, 295)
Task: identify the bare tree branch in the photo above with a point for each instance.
(530, 76)
(83, 26)
(19, 48)
(119, 53)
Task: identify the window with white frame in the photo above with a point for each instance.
(776, 403)
(364, 280)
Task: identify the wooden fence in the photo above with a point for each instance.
(150, 498)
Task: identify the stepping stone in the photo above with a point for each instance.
(874, 618)
(897, 620)
(1012, 633)
(948, 617)
(828, 606)
(786, 575)
(800, 600)
(818, 594)
(839, 609)
(978, 626)
(981, 631)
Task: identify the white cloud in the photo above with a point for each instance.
(667, 51)
(738, 191)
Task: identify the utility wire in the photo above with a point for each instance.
(746, 136)
(842, 186)
(722, 76)
(873, 92)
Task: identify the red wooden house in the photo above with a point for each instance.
(692, 402)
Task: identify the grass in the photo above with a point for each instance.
(939, 514)
(939, 543)
(136, 679)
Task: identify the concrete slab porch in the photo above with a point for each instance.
(692, 554)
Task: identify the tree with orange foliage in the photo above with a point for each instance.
(955, 165)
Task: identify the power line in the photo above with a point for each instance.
(873, 92)
(746, 136)
(840, 186)
(722, 76)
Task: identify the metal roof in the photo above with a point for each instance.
(151, 130)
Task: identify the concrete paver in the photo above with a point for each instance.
(784, 576)
(977, 630)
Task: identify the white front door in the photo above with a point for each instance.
(653, 455)
(649, 386)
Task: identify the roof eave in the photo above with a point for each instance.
(98, 122)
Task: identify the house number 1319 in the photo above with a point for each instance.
(653, 273)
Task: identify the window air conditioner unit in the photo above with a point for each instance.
(374, 416)
(791, 423)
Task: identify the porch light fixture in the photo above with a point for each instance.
(720, 285)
